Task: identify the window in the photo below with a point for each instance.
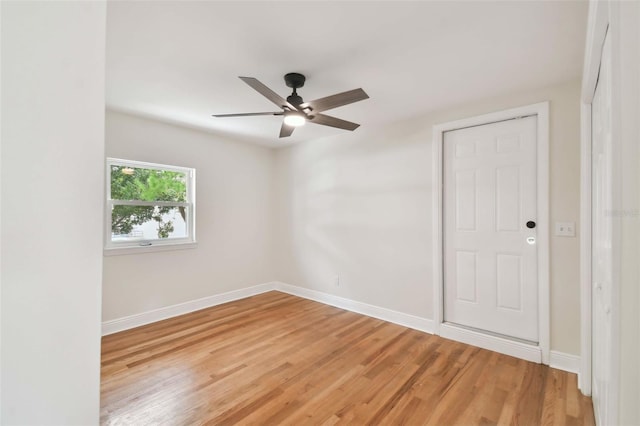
(149, 206)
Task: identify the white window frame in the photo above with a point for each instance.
(145, 246)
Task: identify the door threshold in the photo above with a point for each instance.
(492, 333)
(529, 351)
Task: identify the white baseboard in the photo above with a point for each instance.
(559, 360)
(400, 318)
(132, 321)
(493, 343)
(565, 362)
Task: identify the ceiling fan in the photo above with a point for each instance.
(296, 112)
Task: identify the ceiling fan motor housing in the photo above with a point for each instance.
(294, 100)
(294, 80)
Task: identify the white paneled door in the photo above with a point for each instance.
(489, 215)
(602, 239)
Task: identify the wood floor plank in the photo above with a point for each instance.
(278, 359)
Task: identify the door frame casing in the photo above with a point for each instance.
(596, 33)
(539, 353)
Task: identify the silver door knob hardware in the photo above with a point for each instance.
(531, 240)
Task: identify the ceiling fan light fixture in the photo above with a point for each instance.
(296, 112)
(294, 119)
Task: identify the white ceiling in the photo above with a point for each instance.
(179, 61)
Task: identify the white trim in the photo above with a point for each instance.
(118, 251)
(584, 378)
(566, 362)
(559, 360)
(542, 111)
(132, 321)
(596, 33)
(400, 318)
(146, 165)
(145, 246)
(544, 293)
(438, 258)
(149, 203)
(598, 22)
(526, 351)
(616, 201)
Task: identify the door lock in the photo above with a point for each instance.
(531, 224)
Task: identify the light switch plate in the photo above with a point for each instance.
(565, 229)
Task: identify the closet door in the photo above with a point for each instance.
(602, 240)
(489, 216)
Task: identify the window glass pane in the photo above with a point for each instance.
(135, 223)
(137, 183)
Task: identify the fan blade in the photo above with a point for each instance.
(248, 114)
(334, 101)
(327, 120)
(286, 130)
(268, 93)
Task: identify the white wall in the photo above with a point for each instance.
(360, 205)
(52, 171)
(233, 216)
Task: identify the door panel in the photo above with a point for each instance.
(507, 190)
(509, 281)
(466, 274)
(601, 263)
(489, 194)
(466, 200)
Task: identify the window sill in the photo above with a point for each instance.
(118, 251)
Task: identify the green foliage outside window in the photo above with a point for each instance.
(139, 184)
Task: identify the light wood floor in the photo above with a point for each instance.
(279, 359)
